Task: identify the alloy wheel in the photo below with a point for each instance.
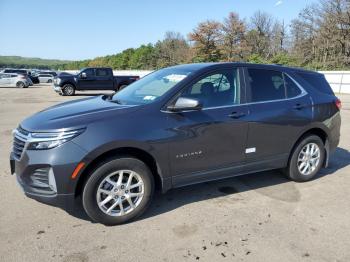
(120, 193)
(308, 158)
(69, 90)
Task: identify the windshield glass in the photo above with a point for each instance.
(151, 87)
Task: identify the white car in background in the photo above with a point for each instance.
(45, 78)
(13, 80)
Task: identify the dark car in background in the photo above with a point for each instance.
(100, 78)
(175, 127)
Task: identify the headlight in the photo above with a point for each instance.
(41, 141)
(57, 80)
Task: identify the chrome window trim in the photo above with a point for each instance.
(303, 93)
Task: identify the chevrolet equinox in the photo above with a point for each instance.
(175, 127)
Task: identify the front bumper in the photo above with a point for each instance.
(64, 201)
(57, 88)
(45, 175)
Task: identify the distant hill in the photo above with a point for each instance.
(30, 62)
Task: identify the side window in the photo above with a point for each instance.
(101, 72)
(216, 89)
(266, 85)
(89, 72)
(292, 89)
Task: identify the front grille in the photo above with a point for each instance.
(22, 131)
(19, 142)
(18, 146)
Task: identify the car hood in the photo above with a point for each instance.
(75, 114)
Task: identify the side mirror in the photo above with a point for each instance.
(83, 75)
(183, 103)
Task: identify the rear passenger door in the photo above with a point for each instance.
(104, 79)
(279, 109)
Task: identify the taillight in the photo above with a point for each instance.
(338, 103)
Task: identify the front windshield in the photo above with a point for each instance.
(151, 87)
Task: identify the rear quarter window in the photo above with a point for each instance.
(318, 82)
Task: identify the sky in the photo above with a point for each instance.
(84, 29)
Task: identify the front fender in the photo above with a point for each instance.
(63, 83)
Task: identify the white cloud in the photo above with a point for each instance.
(279, 3)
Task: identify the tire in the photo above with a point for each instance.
(97, 190)
(49, 81)
(68, 90)
(307, 159)
(21, 85)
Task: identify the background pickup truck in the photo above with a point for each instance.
(100, 78)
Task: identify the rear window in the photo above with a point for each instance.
(101, 72)
(317, 81)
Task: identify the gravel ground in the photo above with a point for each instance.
(257, 217)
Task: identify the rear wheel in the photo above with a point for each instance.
(49, 81)
(20, 84)
(307, 159)
(68, 90)
(118, 190)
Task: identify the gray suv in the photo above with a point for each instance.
(175, 127)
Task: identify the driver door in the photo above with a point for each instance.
(214, 137)
(88, 82)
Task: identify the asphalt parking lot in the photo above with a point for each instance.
(257, 217)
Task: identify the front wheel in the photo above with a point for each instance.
(118, 191)
(49, 81)
(307, 159)
(68, 90)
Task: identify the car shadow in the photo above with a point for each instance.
(262, 182)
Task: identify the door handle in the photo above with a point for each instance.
(299, 106)
(236, 114)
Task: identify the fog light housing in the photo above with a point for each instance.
(52, 181)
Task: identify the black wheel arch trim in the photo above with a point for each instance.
(67, 83)
(136, 150)
(313, 129)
